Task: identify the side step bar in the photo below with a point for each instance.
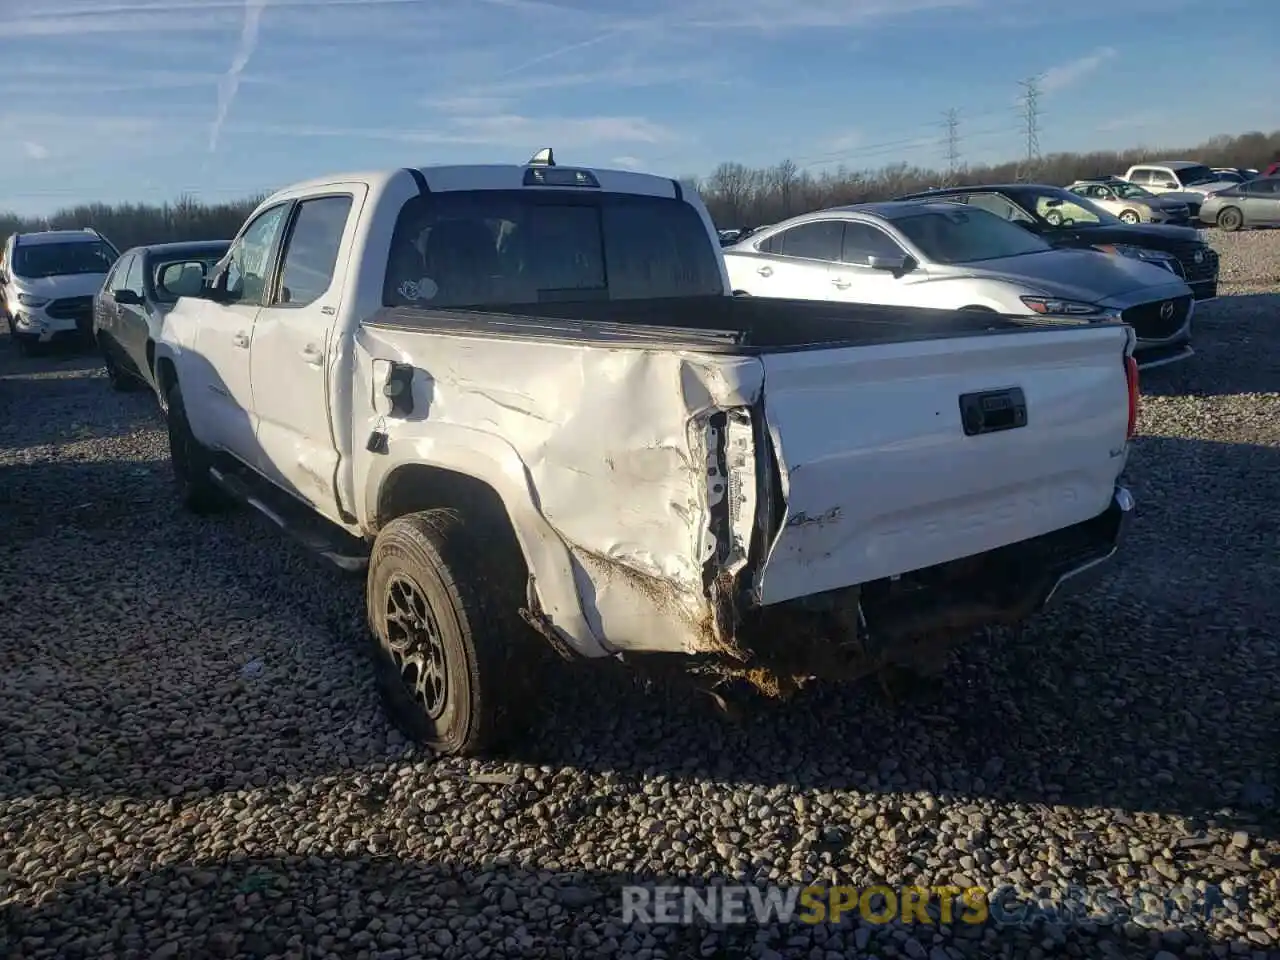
(338, 548)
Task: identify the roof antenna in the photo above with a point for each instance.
(543, 158)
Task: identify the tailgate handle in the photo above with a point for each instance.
(992, 411)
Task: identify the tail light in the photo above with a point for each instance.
(1131, 375)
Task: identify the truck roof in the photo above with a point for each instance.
(497, 176)
(58, 236)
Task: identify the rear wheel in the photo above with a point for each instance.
(1130, 217)
(1053, 218)
(443, 610)
(1231, 219)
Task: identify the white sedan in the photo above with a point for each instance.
(944, 255)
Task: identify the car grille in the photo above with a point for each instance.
(1147, 322)
(1206, 269)
(79, 309)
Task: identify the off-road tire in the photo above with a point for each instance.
(191, 461)
(470, 593)
(1230, 219)
(118, 379)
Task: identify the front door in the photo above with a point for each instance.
(131, 318)
(854, 280)
(225, 335)
(293, 349)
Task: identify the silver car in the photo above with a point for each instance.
(1254, 203)
(1132, 204)
(930, 253)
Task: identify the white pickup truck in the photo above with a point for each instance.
(524, 397)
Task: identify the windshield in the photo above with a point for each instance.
(967, 235)
(38, 260)
(488, 248)
(1193, 175)
(1130, 191)
(1064, 208)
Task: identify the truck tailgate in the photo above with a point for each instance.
(881, 477)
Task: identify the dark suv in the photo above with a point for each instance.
(1065, 219)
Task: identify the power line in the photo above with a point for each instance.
(952, 144)
(1031, 122)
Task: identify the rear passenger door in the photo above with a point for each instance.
(799, 262)
(294, 345)
(1262, 203)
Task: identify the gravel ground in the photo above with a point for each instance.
(195, 765)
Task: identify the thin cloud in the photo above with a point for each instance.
(628, 163)
(468, 105)
(510, 131)
(36, 151)
(230, 82)
(1069, 74)
(774, 16)
(1131, 122)
(650, 75)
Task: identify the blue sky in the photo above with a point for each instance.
(147, 99)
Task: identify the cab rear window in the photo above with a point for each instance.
(495, 248)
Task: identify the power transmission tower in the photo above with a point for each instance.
(952, 144)
(1031, 120)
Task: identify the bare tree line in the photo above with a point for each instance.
(739, 196)
(736, 195)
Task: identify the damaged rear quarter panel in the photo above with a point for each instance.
(612, 440)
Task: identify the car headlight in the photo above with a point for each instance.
(1053, 305)
(27, 300)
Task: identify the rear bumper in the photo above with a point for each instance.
(1086, 574)
(1204, 290)
(1162, 356)
(912, 620)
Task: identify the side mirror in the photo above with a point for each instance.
(128, 298)
(895, 265)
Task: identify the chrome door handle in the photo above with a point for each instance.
(842, 284)
(241, 340)
(765, 271)
(312, 355)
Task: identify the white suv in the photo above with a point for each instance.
(48, 281)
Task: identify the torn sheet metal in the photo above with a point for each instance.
(614, 441)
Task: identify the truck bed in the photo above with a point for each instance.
(737, 325)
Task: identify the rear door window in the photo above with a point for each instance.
(813, 241)
(489, 248)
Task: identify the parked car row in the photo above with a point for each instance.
(1015, 249)
(1228, 197)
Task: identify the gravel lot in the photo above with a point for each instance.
(195, 764)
